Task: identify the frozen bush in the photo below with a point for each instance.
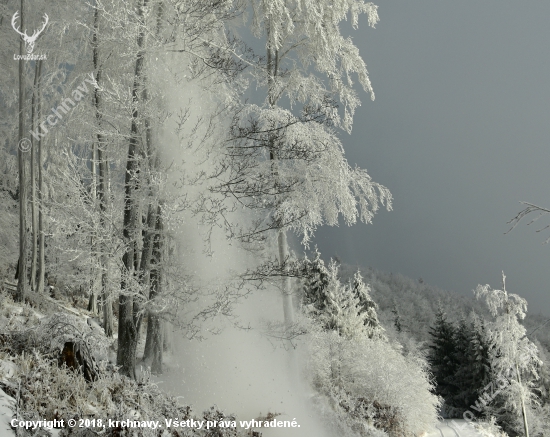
(489, 428)
(48, 392)
(373, 382)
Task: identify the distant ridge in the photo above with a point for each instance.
(415, 302)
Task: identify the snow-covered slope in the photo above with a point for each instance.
(6, 413)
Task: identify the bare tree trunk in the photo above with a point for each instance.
(288, 312)
(153, 341)
(92, 303)
(151, 241)
(147, 275)
(34, 224)
(128, 304)
(22, 269)
(166, 336)
(41, 255)
(282, 244)
(127, 310)
(106, 299)
(523, 413)
(157, 344)
(148, 350)
(155, 323)
(103, 187)
(106, 296)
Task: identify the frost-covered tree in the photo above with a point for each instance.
(512, 356)
(342, 308)
(187, 25)
(133, 46)
(365, 305)
(117, 46)
(345, 308)
(397, 323)
(284, 160)
(316, 280)
(60, 56)
(362, 383)
(361, 379)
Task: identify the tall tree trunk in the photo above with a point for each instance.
(153, 342)
(147, 275)
(22, 269)
(103, 186)
(106, 299)
(128, 303)
(34, 220)
(156, 332)
(288, 309)
(167, 336)
(154, 224)
(106, 296)
(41, 255)
(288, 312)
(523, 412)
(92, 303)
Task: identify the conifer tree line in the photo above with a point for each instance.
(353, 361)
(489, 368)
(459, 359)
(346, 308)
(475, 360)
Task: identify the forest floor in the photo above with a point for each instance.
(253, 365)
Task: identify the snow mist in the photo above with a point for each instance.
(238, 370)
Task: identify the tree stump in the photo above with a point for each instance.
(79, 358)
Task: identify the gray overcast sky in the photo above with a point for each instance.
(459, 132)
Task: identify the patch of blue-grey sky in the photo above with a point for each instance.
(459, 133)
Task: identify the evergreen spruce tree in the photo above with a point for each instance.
(347, 309)
(478, 354)
(366, 306)
(396, 318)
(465, 375)
(316, 282)
(330, 303)
(442, 358)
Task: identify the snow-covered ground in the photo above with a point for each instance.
(6, 413)
(454, 428)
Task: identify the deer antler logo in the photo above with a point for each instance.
(29, 40)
